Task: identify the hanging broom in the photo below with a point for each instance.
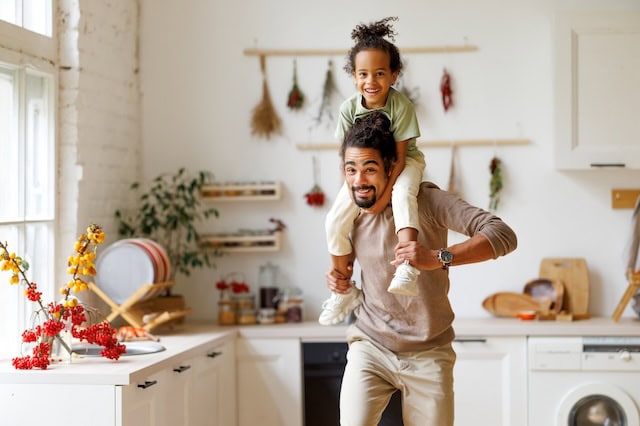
(265, 120)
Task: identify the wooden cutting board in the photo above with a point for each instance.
(574, 275)
(508, 304)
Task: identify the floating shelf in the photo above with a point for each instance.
(336, 52)
(242, 243)
(428, 144)
(239, 191)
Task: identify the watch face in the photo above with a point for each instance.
(446, 256)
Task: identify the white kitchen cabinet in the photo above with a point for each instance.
(28, 404)
(142, 404)
(196, 391)
(192, 386)
(211, 393)
(490, 381)
(597, 90)
(269, 373)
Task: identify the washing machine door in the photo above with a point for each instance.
(598, 404)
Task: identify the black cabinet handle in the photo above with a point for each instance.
(182, 368)
(621, 165)
(476, 340)
(214, 354)
(147, 384)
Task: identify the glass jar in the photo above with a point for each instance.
(267, 316)
(226, 313)
(290, 303)
(246, 316)
(294, 309)
(244, 301)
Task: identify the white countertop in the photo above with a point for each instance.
(190, 338)
(180, 344)
(464, 327)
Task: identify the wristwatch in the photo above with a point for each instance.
(445, 257)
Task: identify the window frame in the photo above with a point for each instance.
(28, 53)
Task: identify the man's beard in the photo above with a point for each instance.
(362, 203)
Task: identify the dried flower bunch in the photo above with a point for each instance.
(67, 314)
(295, 100)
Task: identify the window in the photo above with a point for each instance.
(27, 168)
(34, 15)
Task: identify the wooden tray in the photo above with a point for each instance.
(508, 304)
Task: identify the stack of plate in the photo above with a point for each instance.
(127, 265)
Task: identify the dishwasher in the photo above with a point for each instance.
(324, 364)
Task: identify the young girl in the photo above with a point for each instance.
(375, 64)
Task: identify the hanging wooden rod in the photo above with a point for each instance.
(335, 52)
(428, 144)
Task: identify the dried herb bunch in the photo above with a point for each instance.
(265, 120)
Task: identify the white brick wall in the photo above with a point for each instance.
(99, 115)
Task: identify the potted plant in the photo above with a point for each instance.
(167, 213)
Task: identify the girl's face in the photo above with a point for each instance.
(373, 77)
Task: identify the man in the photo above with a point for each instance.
(403, 342)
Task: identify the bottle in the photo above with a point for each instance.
(267, 280)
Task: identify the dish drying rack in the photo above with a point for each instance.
(632, 288)
(144, 309)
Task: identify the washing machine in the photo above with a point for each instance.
(584, 381)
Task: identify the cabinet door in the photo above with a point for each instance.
(141, 402)
(597, 90)
(211, 394)
(269, 373)
(57, 404)
(173, 395)
(490, 381)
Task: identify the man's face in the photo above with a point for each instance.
(364, 173)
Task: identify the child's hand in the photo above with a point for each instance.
(338, 282)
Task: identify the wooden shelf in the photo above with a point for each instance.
(242, 243)
(232, 191)
(336, 52)
(428, 144)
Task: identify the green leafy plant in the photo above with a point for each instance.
(167, 213)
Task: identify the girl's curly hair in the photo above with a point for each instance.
(372, 36)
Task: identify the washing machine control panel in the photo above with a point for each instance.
(611, 344)
(584, 353)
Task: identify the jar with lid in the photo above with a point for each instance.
(268, 282)
(246, 316)
(244, 301)
(226, 312)
(290, 303)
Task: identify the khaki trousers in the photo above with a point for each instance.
(373, 373)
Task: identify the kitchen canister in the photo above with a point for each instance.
(289, 305)
(226, 312)
(268, 281)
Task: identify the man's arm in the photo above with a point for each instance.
(475, 249)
